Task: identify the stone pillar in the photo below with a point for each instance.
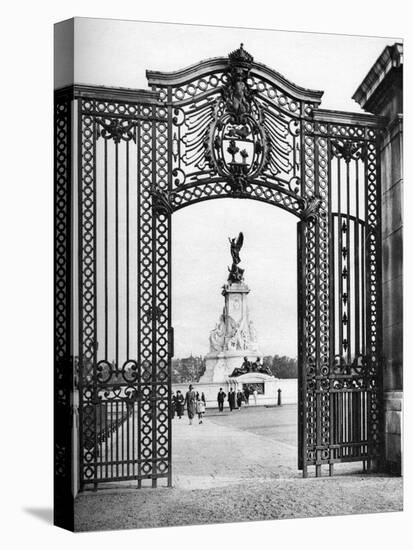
(381, 93)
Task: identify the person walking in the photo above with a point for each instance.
(200, 408)
(190, 402)
(239, 398)
(255, 394)
(179, 404)
(247, 396)
(231, 400)
(220, 398)
(173, 405)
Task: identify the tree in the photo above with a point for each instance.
(284, 367)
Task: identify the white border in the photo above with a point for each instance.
(26, 287)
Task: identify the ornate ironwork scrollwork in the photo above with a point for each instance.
(348, 150)
(160, 201)
(310, 209)
(117, 129)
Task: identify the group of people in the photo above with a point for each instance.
(236, 398)
(194, 402)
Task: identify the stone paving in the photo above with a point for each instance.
(238, 466)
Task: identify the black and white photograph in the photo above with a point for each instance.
(228, 360)
(205, 275)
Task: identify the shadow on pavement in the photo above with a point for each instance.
(44, 514)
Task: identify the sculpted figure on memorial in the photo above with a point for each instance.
(236, 246)
(236, 274)
(253, 332)
(239, 340)
(231, 327)
(217, 336)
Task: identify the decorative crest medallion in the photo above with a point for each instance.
(238, 144)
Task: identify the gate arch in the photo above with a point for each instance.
(226, 127)
(234, 102)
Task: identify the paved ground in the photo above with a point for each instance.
(238, 466)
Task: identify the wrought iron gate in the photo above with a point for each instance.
(226, 127)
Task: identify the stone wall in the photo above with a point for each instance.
(381, 93)
(392, 273)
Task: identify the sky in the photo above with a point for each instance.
(117, 53)
(200, 261)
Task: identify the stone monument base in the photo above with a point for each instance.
(265, 383)
(220, 365)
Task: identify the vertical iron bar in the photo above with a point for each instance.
(319, 390)
(127, 250)
(116, 437)
(111, 437)
(331, 284)
(80, 294)
(349, 277)
(123, 420)
(138, 312)
(357, 269)
(302, 344)
(106, 439)
(129, 408)
(363, 291)
(169, 312)
(340, 262)
(95, 401)
(154, 309)
(106, 244)
(117, 253)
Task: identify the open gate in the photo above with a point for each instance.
(226, 127)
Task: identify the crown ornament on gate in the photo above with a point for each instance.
(240, 57)
(237, 93)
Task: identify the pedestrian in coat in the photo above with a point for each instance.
(231, 400)
(220, 398)
(200, 408)
(247, 396)
(173, 405)
(179, 404)
(255, 394)
(190, 402)
(239, 398)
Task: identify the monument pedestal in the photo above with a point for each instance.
(265, 384)
(233, 339)
(220, 365)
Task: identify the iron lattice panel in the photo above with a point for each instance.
(373, 306)
(154, 278)
(63, 365)
(124, 430)
(87, 295)
(339, 408)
